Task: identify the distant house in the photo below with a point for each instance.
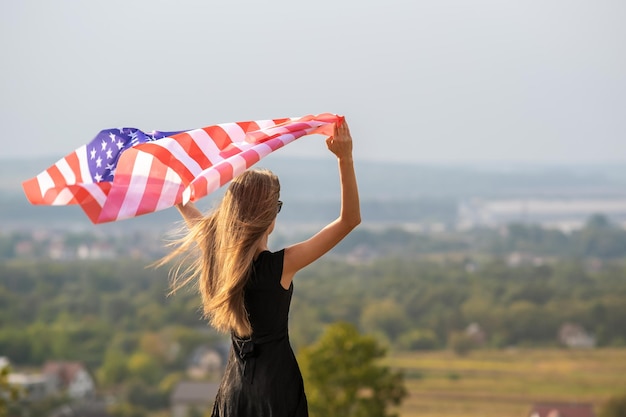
(205, 363)
(71, 378)
(191, 396)
(574, 336)
(562, 410)
(33, 387)
(476, 334)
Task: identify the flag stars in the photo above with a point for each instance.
(99, 162)
(104, 145)
(112, 136)
(97, 177)
(93, 153)
(119, 144)
(109, 153)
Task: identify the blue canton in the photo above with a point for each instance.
(104, 151)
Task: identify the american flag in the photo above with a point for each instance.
(125, 172)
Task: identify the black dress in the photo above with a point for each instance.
(262, 377)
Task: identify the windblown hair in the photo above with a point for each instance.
(227, 239)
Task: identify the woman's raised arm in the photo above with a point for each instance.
(302, 254)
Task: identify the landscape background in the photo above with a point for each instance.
(492, 288)
(490, 152)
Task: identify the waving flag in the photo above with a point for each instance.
(125, 172)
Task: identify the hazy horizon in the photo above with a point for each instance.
(449, 82)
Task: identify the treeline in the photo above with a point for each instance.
(116, 317)
(598, 238)
(82, 310)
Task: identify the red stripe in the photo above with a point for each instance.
(248, 126)
(251, 157)
(230, 151)
(57, 177)
(200, 183)
(165, 157)
(225, 171)
(153, 188)
(193, 149)
(218, 136)
(33, 192)
(90, 205)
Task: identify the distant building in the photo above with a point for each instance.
(71, 378)
(190, 396)
(565, 214)
(562, 410)
(206, 363)
(33, 387)
(476, 334)
(574, 336)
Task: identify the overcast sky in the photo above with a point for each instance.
(438, 81)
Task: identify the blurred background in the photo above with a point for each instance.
(489, 270)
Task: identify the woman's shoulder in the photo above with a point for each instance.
(269, 265)
(269, 257)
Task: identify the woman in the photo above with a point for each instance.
(246, 289)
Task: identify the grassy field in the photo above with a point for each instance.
(506, 383)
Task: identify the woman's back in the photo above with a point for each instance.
(262, 377)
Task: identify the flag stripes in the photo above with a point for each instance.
(124, 172)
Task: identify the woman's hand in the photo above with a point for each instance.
(340, 143)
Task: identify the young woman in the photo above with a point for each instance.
(246, 289)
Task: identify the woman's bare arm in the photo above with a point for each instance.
(302, 254)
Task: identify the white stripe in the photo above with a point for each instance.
(136, 186)
(234, 131)
(179, 153)
(66, 171)
(206, 144)
(167, 198)
(64, 197)
(84, 165)
(45, 182)
(238, 163)
(264, 124)
(186, 195)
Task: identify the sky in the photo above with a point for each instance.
(445, 81)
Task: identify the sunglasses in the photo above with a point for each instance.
(280, 206)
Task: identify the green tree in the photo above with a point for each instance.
(386, 317)
(343, 376)
(8, 392)
(145, 368)
(114, 368)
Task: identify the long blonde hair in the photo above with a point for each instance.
(227, 238)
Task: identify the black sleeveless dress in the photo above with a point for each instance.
(262, 377)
